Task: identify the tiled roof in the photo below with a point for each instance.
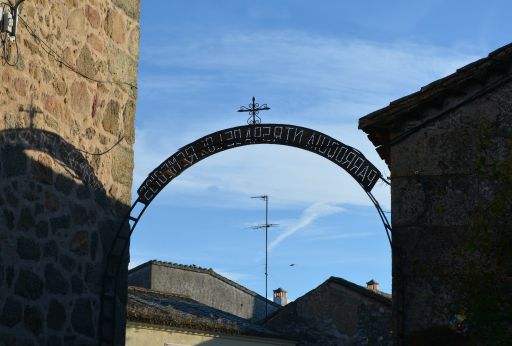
(165, 309)
(440, 96)
(381, 297)
(208, 271)
(192, 267)
(376, 295)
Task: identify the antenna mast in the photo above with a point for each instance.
(266, 226)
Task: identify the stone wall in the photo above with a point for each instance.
(202, 285)
(62, 192)
(336, 313)
(449, 149)
(450, 212)
(140, 277)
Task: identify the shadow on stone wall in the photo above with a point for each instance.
(57, 226)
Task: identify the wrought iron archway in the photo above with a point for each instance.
(344, 156)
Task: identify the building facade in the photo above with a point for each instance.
(448, 147)
(204, 286)
(67, 105)
(162, 318)
(338, 312)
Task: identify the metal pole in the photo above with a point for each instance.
(253, 112)
(266, 225)
(266, 256)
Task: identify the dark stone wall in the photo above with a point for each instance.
(335, 315)
(451, 217)
(52, 248)
(140, 277)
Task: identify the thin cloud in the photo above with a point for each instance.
(234, 276)
(351, 235)
(294, 61)
(312, 81)
(308, 216)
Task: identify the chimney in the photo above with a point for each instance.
(280, 297)
(372, 285)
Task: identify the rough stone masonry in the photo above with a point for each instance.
(449, 150)
(68, 100)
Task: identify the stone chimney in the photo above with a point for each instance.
(372, 285)
(280, 297)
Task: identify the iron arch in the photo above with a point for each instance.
(344, 156)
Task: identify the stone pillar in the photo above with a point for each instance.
(449, 149)
(449, 182)
(63, 193)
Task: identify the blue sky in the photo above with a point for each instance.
(322, 65)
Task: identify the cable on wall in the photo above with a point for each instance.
(50, 51)
(8, 26)
(103, 152)
(8, 21)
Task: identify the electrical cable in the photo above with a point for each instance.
(50, 51)
(104, 152)
(6, 54)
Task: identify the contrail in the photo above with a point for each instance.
(309, 215)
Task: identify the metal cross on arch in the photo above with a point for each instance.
(254, 109)
(346, 157)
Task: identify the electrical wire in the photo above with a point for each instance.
(6, 55)
(51, 52)
(4, 40)
(104, 152)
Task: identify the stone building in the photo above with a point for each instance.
(190, 299)
(338, 312)
(203, 285)
(66, 160)
(162, 318)
(449, 150)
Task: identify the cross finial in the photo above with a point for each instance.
(253, 109)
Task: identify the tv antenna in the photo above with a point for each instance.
(266, 225)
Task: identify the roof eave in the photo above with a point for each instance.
(379, 125)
